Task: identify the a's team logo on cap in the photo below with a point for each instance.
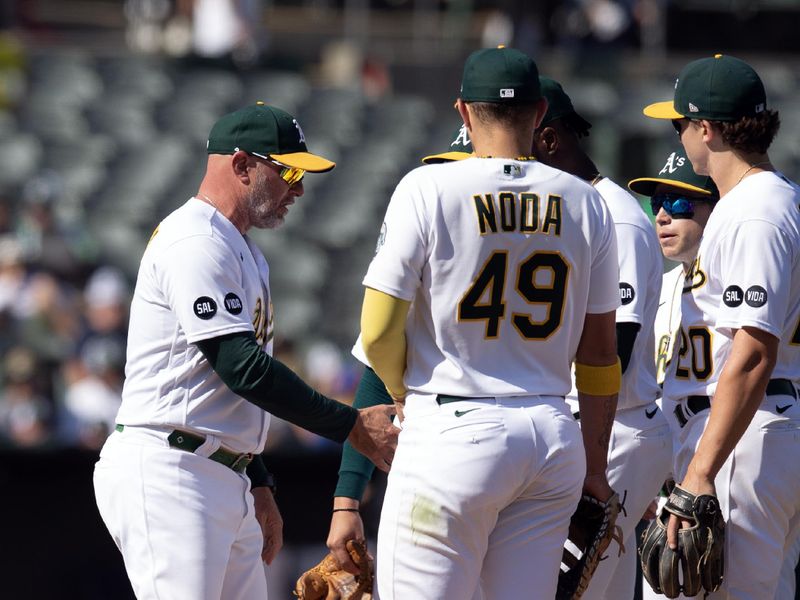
(462, 138)
(626, 293)
(733, 296)
(693, 108)
(299, 131)
(755, 296)
(506, 92)
(204, 308)
(233, 304)
(674, 162)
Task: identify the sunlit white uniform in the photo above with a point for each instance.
(748, 275)
(502, 259)
(185, 524)
(640, 448)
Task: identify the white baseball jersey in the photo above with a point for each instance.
(501, 275)
(668, 319)
(199, 278)
(747, 273)
(639, 287)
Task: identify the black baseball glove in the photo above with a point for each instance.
(698, 561)
(591, 530)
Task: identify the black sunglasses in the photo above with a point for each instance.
(678, 125)
(676, 206)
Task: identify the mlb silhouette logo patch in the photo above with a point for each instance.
(506, 92)
(512, 170)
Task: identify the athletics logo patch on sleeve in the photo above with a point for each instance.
(204, 308)
(233, 304)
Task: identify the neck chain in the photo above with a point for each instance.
(596, 179)
(753, 166)
(207, 199)
(516, 158)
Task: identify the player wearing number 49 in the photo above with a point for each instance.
(510, 270)
(739, 353)
(640, 449)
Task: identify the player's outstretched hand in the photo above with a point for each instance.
(374, 435)
(345, 525)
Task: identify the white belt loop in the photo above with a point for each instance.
(208, 447)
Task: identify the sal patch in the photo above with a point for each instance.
(733, 296)
(755, 296)
(626, 293)
(205, 308)
(233, 304)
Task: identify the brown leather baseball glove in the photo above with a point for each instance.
(699, 561)
(327, 581)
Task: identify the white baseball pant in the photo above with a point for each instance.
(185, 524)
(479, 499)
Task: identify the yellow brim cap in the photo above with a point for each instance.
(446, 157)
(646, 185)
(662, 110)
(306, 161)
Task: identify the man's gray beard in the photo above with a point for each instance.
(262, 214)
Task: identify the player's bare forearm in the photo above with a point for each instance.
(740, 390)
(346, 524)
(597, 420)
(597, 348)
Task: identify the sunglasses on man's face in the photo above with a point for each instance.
(676, 206)
(290, 175)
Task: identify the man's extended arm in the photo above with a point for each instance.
(597, 396)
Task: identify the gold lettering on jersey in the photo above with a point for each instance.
(526, 205)
(662, 357)
(528, 212)
(260, 323)
(695, 277)
(155, 232)
(508, 212)
(484, 206)
(553, 215)
(270, 324)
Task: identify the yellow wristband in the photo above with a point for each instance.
(598, 381)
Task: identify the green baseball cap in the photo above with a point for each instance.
(718, 88)
(265, 131)
(559, 103)
(460, 148)
(677, 172)
(500, 75)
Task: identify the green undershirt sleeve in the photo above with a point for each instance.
(356, 470)
(269, 384)
(257, 472)
(626, 337)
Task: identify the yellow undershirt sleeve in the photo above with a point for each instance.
(383, 336)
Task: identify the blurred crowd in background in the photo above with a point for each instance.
(104, 109)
